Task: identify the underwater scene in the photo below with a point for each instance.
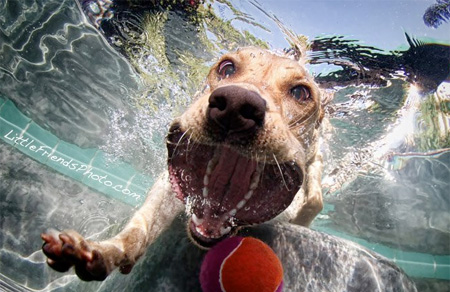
(89, 89)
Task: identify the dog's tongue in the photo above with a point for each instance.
(231, 176)
(229, 181)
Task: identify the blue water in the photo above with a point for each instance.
(387, 162)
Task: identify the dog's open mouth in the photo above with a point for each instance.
(224, 189)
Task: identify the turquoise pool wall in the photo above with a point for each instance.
(92, 167)
(120, 181)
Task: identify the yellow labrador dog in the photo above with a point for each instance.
(245, 151)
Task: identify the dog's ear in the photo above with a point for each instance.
(294, 52)
(297, 51)
(326, 96)
(321, 115)
(299, 45)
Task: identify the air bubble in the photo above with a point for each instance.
(93, 7)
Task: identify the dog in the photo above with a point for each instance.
(243, 153)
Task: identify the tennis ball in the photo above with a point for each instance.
(239, 264)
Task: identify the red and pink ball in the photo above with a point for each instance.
(239, 264)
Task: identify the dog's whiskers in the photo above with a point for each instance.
(264, 165)
(254, 156)
(179, 141)
(281, 172)
(190, 143)
(299, 122)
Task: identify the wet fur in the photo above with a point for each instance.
(290, 133)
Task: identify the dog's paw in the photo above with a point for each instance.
(67, 249)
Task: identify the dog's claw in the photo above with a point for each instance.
(126, 269)
(95, 269)
(60, 266)
(68, 249)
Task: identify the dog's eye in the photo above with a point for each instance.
(226, 68)
(301, 93)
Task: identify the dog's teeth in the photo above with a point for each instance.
(224, 231)
(232, 212)
(212, 163)
(249, 195)
(255, 182)
(197, 221)
(255, 179)
(200, 231)
(206, 180)
(209, 167)
(205, 192)
(241, 204)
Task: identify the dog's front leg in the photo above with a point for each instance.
(96, 260)
(312, 202)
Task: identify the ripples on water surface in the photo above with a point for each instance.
(386, 165)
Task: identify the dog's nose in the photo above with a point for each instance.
(236, 109)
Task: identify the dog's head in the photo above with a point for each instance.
(238, 155)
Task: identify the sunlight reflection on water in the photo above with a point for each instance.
(382, 181)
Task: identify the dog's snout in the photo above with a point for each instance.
(235, 109)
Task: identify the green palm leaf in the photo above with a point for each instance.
(437, 13)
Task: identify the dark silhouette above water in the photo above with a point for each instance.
(437, 13)
(424, 64)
